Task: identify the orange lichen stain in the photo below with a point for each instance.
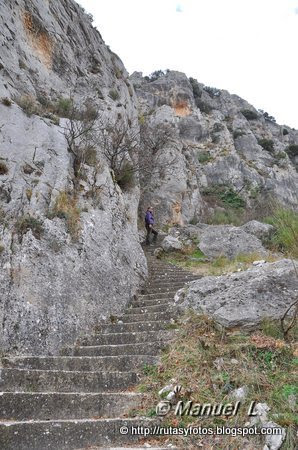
(181, 108)
(39, 39)
(176, 214)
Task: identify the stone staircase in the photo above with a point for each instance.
(81, 399)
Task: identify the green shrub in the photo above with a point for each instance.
(280, 155)
(267, 116)
(1, 248)
(213, 92)
(197, 91)
(266, 144)
(157, 74)
(64, 107)
(2, 216)
(43, 100)
(204, 157)
(238, 133)
(193, 221)
(203, 106)
(285, 237)
(232, 198)
(249, 114)
(118, 73)
(114, 94)
(292, 150)
(26, 223)
(3, 168)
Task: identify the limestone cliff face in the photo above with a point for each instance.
(69, 250)
(220, 140)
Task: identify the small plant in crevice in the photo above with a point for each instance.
(204, 157)
(28, 104)
(213, 92)
(6, 101)
(91, 156)
(26, 223)
(292, 150)
(249, 114)
(238, 133)
(114, 94)
(66, 208)
(3, 168)
(266, 144)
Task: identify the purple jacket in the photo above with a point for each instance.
(149, 219)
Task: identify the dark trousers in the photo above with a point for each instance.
(149, 231)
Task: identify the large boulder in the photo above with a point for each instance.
(261, 230)
(229, 241)
(170, 244)
(243, 299)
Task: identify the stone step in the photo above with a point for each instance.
(165, 284)
(158, 307)
(22, 380)
(171, 278)
(163, 289)
(134, 326)
(80, 363)
(157, 295)
(126, 338)
(148, 348)
(171, 273)
(68, 434)
(149, 316)
(168, 281)
(22, 406)
(164, 302)
(155, 266)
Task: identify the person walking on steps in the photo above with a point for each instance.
(149, 223)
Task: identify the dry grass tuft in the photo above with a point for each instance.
(66, 208)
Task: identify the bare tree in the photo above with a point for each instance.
(119, 142)
(80, 133)
(154, 139)
(128, 148)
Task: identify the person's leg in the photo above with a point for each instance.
(148, 235)
(155, 233)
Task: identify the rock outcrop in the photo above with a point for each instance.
(243, 299)
(220, 240)
(224, 152)
(70, 254)
(228, 241)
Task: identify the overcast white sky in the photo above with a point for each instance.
(248, 47)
